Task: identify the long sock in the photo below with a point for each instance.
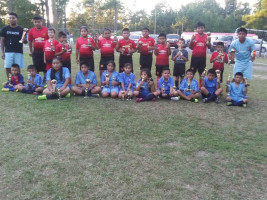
(212, 97)
(149, 97)
(176, 83)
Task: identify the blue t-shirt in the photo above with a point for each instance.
(37, 80)
(193, 86)
(237, 93)
(180, 60)
(127, 79)
(167, 84)
(242, 50)
(210, 85)
(81, 79)
(145, 89)
(65, 74)
(115, 76)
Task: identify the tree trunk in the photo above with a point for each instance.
(116, 18)
(47, 13)
(54, 9)
(10, 5)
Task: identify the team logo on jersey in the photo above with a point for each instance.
(39, 39)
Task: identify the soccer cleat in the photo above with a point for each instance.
(68, 95)
(229, 103)
(244, 105)
(217, 100)
(205, 100)
(175, 98)
(139, 99)
(42, 97)
(5, 89)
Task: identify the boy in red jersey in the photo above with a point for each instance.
(162, 52)
(84, 49)
(106, 46)
(145, 47)
(37, 37)
(218, 58)
(199, 43)
(63, 49)
(126, 47)
(49, 48)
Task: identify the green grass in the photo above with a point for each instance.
(109, 149)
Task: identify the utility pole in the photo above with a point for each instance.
(54, 10)
(155, 23)
(10, 5)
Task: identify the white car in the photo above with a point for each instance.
(258, 43)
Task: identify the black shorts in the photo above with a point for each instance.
(89, 61)
(146, 61)
(198, 64)
(159, 69)
(125, 59)
(67, 64)
(103, 62)
(38, 61)
(179, 69)
(205, 96)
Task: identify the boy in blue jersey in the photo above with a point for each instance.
(15, 81)
(127, 80)
(34, 83)
(210, 87)
(80, 81)
(237, 91)
(189, 87)
(166, 84)
(243, 48)
(110, 81)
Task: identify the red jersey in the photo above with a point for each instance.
(38, 37)
(219, 63)
(83, 47)
(127, 45)
(199, 46)
(146, 43)
(107, 47)
(48, 51)
(163, 56)
(65, 56)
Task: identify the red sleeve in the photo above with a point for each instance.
(153, 42)
(114, 44)
(225, 57)
(212, 56)
(99, 44)
(93, 42)
(134, 45)
(30, 37)
(58, 48)
(77, 44)
(56, 42)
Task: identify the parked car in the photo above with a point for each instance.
(135, 38)
(227, 40)
(173, 39)
(154, 36)
(258, 43)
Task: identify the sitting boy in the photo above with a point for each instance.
(15, 80)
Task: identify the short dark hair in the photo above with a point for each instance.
(239, 74)
(190, 70)
(61, 33)
(13, 14)
(37, 17)
(162, 35)
(52, 29)
(15, 65)
(145, 29)
(127, 64)
(182, 39)
(125, 29)
(112, 62)
(199, 24)
(86, 64)
(106, 29)
(84, 27)
(242, 30)
(212, 71)
(147, 71)
(165, 69)
(220, 44)
(31, 67)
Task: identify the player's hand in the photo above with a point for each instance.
(150, 82)
(114, 83)
(252, 58)
(3, 56)
(193, 37)
(186, 90)
(30, 54)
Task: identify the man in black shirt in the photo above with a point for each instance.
(12, 49)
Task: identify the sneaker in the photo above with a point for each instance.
(68, 95)
(175, 98)
(139, 99)
(244, 105)
(217, 100)
(229, 103)
(5, 89)
(42, 97)
(205, 100)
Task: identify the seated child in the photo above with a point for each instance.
(110, 81)
(80, 81)
(218, 58)
(16, 79)
(189, 87)
(237, 91)
(34, 83)
(210, 87)
(145, 88)
(127, 80)
(62, 77)
(165, 89)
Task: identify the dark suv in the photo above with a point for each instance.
(227, 40)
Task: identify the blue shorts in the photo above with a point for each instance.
(245, 68)
(109, 90)
(14, 58)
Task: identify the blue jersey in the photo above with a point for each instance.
(145, 89)
(167, 84)
(127, 79)
(193, 86)
(242, 50)
(81, 79)
(237, 93)
(65, 74)
(115, 76)
(37, 80)
(211, 86)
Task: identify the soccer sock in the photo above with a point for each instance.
(212, 97)
(176, 83)
(149, 97)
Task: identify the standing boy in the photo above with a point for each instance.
(50, 48)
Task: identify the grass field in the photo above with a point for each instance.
(109, 149)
